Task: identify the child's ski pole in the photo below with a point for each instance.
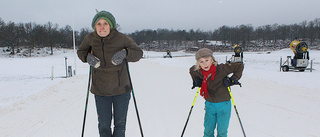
(235, 108)
(190, 112)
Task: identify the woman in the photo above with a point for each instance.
(211, 77)
(110, 82)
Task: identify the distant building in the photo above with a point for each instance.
(213, 43)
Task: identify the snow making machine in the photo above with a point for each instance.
(168, 54)
(300, 61)
(238, 56)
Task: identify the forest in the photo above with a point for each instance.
(31, 36)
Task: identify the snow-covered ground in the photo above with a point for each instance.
(270, 103)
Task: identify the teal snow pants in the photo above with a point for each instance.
(217, 115)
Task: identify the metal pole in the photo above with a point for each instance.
(74, 46)
(311, 66)
(65, 59)
(235, 108)
(194, 100)
(86, 105)
(134, 99)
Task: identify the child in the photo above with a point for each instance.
(210, 76)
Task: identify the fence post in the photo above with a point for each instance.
(52, 73)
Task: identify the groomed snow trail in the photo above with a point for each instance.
(270, 103)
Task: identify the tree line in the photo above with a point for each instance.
(32, 35)
(241, 34)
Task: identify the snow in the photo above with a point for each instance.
(270, 103)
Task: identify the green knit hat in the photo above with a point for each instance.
(104, 15)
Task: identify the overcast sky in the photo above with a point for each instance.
(134, 15)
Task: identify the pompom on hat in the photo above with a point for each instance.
(104, 15)
(203, 53)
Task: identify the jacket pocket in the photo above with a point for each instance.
(105, 82)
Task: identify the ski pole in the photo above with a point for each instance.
(194, 100)
(235, 108)
(134, 99)
(86, 105)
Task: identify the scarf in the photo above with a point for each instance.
(211, 72)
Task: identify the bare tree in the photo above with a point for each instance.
(50, 33)
(11, 36)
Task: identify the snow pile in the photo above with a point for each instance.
(270, 103)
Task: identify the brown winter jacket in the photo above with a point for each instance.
(216, 89)
(108, 79)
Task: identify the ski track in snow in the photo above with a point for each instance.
(270, 103)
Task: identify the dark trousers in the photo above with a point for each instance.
(116, 106)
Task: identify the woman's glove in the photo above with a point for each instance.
(93, 61)
(118, 57)
(197, 82)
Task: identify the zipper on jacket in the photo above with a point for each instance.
(118, 78)
(104, 59)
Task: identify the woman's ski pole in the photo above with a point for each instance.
(235, 108)
(134, 99)
(85, 109)
(190, 112)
